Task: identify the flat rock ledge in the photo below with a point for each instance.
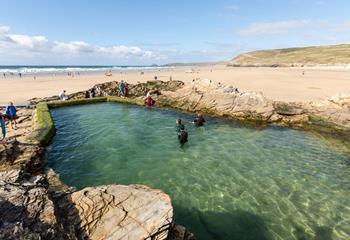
(34, 204)
(119, 212)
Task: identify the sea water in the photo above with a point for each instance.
(230, 181)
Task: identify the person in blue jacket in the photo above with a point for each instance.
(3, 127)
(121, 88)
(11, 114)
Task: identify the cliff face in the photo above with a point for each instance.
(337, 55)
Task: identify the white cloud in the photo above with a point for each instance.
(273, 28)
(4, 29)
(31, 46)
(27, 41)
(232, 7)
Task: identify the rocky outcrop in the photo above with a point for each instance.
(112, 89)
(206, 96)
(203, 95)
(118, 212)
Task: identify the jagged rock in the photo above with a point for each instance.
(26, 211)
(335, 110)
(119, 212)
(112, 89)
(288, 109)
(206, 96)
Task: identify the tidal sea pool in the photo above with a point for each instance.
(230, 181)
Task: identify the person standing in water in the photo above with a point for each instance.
(199, 120)
(121, 88)
(182, 135)
(11, 114)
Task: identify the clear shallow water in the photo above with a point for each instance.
(229, 182)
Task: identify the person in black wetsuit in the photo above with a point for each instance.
(182, 135)
(199, 120)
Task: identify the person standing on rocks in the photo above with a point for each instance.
(11, 114)
(3, 126)
(126, 89)
(121, 88)
(149, 100)
(63, 95)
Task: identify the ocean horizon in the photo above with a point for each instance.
(30, 69)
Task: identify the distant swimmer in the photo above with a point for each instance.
(199, 120)
(182, 135)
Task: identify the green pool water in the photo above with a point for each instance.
(230, 181)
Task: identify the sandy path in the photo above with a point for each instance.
(285, 84)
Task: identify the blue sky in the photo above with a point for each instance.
(141, 32)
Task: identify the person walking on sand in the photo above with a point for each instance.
(121, 88)
(11, 114)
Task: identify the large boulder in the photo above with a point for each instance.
(206, 96)
(118, 212)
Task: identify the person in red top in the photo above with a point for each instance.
(149, 100)
(126, 89)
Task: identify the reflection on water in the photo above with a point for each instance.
(229, 182)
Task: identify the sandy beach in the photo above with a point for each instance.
(284, 84)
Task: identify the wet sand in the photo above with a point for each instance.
(284, 84)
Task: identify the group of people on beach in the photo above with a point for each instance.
(9, 116)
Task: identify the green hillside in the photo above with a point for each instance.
(307, 56)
